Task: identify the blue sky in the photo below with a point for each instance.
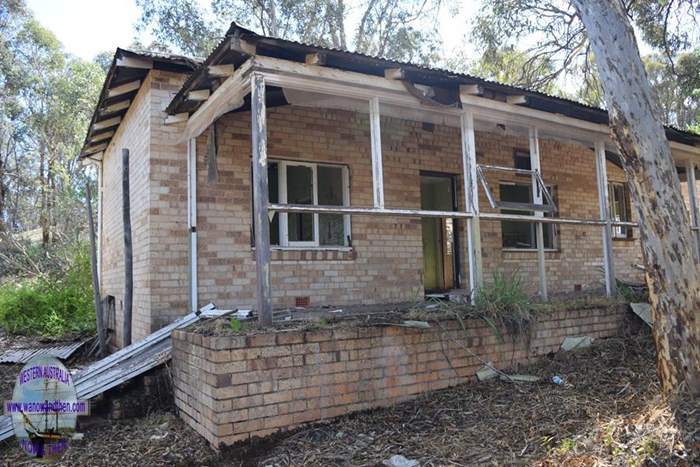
(87, 27)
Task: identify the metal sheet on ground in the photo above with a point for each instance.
(125, 364)
(23, 355)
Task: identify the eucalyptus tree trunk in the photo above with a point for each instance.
(667, 243)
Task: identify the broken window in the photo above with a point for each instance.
(310, 184)
(620, 209)
(518, 234)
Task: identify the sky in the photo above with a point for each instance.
(88, 27)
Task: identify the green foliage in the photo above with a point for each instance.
(504, 304)
(404, 30)
(54, 304)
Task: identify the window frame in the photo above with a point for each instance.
(284, 241)
(616, 231)
(533, 225)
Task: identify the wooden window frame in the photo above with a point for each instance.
(284, 242)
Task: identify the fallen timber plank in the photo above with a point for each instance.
(125, 364)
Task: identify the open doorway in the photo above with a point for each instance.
(440, 262)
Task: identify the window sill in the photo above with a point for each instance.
(623, 239)
(529, 250)
(290, 253)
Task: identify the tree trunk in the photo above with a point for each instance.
(99, 316)
(128, 253)
(667, 243)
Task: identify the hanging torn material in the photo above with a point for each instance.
(212, 150)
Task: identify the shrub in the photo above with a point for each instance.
(55, 304)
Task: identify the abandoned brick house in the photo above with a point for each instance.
(384, 181)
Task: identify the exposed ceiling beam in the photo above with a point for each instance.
(177, 118)
(94, 149)
(135, 62)
(110, 122)
(227, 97)
(101, 136)
(198, 95)
(394, 73)
(116, 107)
(471, 89)
(220, 71)
(316, 58)
(124, 88)
(516, 100)
(242, 45)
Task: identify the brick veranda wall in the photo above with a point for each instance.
(232, 388)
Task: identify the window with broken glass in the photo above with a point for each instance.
(523, 235)
(312, 184)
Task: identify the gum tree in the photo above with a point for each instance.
(672, 271)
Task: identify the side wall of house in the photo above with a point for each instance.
(158, 178)
(169, 244)
(133, 133)
(385, 263)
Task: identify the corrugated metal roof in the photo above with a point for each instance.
(121, 75)
(371, 64)
(23, 355)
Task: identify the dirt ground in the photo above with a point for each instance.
(609, 412)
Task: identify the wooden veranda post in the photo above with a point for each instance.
(537, 198)
(604, 206)
(376, 145)
(192, 218)
(260, 199)
(99, 316)
(471, 202)
(128, 250)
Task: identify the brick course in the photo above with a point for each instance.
(232, 388)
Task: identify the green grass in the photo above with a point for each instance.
(504, 304)
(52, 305)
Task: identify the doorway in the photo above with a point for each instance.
(440, 262)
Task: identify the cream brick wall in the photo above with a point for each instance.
(158, 210)
(386, 262)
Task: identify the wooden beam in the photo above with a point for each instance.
(198, 95)
(516, 100)
(116, 107)
(316, 58)
(471, 89)
(693, 198)
(537, 198)
(94, 149)
(227, 97)
(135, 62)
(128, 251)
(376, 147)
(261, 200)
(394, 73)
(99, 316)
(221, 71)
(124, 88)
(101, 136)
(110, 122)
(241, 45)
(177, 118)
(604, 209)
(471, 203)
